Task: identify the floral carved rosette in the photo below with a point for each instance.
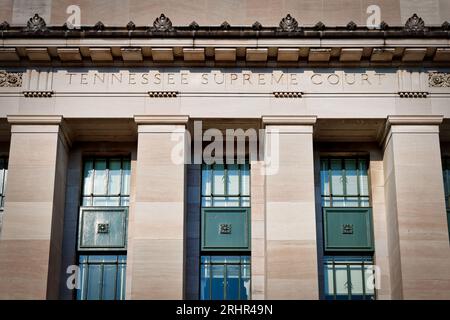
(439, 80)
(10, 79)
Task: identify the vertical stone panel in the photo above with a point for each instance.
(258, 230)
(31, 239)
(290, 209)
(157, 217)
(415, 208)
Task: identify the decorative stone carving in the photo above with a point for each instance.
(415, 24)
(288, 23)
(412, 94)
(351, 26)
(162, 23)
(99, 26)
(194, 25)
(163, 94)
(4, 25)
(225, 228)
(320, 26)
(36, 24)
(283, 94)
(38, 94)
(225, 26)
(439, 79)
(384, 25)
(131, 25)
(256, 25)
(10, 79)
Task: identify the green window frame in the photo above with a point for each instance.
(106, 181)
(102, 277)
(349, 278)
(225, 278)
(344, 182)
(226, 185)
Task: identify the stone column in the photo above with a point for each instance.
(418, 241)
(31, 239)
(156, 239)
(291, 250)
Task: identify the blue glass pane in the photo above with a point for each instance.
(233, 287)
(109, 282)
(94, 282)
(217, 282)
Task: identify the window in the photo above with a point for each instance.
(349, 278)
(347, 229)
(344, 182)
(225, 235)
(226, 185)
(225, 278)
(102, 277)
(106, 182)
(446, 174)
(103, 222)
(3, 178)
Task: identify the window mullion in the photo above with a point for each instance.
(349, 282)
(344, 181)
(330, 187)
(363, 269)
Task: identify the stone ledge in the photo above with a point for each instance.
(167, 119)
(289, 120)
(38, 119)
(415, 120)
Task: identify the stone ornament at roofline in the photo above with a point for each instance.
(162, 23)
(4, 25)
(415, 24)
(289, 23)
(36, 24)
(351, 26)
(257, 25)
(99, 26)
(131, 25)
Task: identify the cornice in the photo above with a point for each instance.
(289, 27)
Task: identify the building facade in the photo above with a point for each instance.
(335, 185)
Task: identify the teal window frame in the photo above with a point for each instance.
(242, 198)
(347, 264)
(93, 271)
(90, 197)
(124, 227)
(368, 247)
(207, 266)
(329, 198)
(225, 211)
